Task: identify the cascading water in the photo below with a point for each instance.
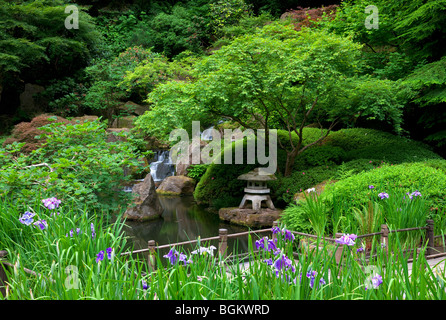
(206, 135)
(162, 166)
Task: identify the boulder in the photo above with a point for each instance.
(177, 185)
(28, 102)
(263, 217)
(124, 122)
(146, 205)
(113, 137)
(132, 108)
(84, 118)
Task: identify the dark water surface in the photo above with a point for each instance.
(182, 220)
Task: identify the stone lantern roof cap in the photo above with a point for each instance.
(258, 174)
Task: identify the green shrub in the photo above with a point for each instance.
(172, 33)
(350, 168)
(196, 171)
(74, 163)
(372, 144)
(284, 189)
(406, 177)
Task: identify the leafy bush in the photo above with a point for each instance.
(284, 189)
(372, 144)
(220, 181)
(224, 13)
(172, 33)
(106, 93)
(74, 163)
(196, 171)
(402, 178)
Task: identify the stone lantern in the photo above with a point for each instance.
(257, 190)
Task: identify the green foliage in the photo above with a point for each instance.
(246, 25)
(219, 186)
(284, 189)
(402, 178)
(105, 93)
(345, 153)
(359, 143)
(225, 13)
(65, 96)
(36, 45)
(75, 163)
(414, 28)
(196, 171)
(369, 218)
(184, 29)
(116, 29)
(429, 95)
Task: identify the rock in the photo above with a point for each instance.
(249, 217)
(146, 205)
(84, 118)
(124, 122)
(112, 137)
(177, 185)
(28, 103)
(132, 108)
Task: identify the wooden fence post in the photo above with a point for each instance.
(3, 276)
(222, 242)
(338, 253)
(275, 225)
(430, 237)
(385, 237)
(151, 260)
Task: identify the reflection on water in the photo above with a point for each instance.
(182, 220)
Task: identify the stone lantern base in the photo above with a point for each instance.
(261, 218)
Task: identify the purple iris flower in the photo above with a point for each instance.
(27, 218)
(144, 285)
(371, 187)
(42, 224)
(109, 252)
(51, 203)
(312, 276)
(283, 263)
(414, 194)
(270, 245)
(376, 281)
(100, 256)
(288, 235)
(174, 256)
(275, 230)
(93, 233)
(383, 195)
(347, 239)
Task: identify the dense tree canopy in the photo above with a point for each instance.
(281, 77)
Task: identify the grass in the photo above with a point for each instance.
(68, 267)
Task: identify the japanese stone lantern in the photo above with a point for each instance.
(257, 191)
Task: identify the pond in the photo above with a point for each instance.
(182, 220)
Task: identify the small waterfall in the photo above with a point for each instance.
(206, 135)
(162, 166)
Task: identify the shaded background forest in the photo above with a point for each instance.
(75, 72)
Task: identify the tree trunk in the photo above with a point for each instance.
(290, 158)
